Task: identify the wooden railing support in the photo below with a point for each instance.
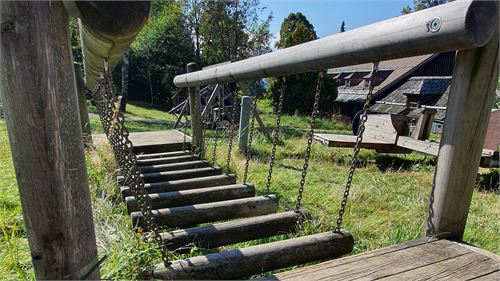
(41, 108)
(245, 111)
(195, 110)
(469, 106)
(82, 105)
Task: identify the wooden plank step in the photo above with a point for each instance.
(231, 232)
(163, 154)
(166, 160)
(211, 212)
(185, 184)
(194, 196)
(175, 166)
(176, 175)
(257, 259)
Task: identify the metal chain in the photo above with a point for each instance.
(250, 139)
(216, 139)
(356, 148)
(232, 130)
(113, 122)
(276, 133)
(310, 137)
(185, 127)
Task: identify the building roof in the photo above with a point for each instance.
(437, 87)
(391, 70)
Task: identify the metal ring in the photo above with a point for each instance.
(434, 25)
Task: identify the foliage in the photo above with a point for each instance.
(422, 4)
(227, 30)
(160, 51)
(301, 88)
(76, 44)
(295, 29)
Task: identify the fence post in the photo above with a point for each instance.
(41, 109)
(195, 110)
(246, 107)
(469, 106)
(82, 105)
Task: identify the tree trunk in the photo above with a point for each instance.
(123, 105)
(39, 94)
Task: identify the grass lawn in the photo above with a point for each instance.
(387, 204)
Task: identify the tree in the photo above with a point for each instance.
(342, 27)
(160, 51)
(301, 88)
(295, 29)
(193, 10)
(422, 4)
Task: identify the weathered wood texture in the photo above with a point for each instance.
(424, 124)
(211, 212)
(257, 259)
(194, 196)
(469, 106)
(166, 160)
(195, 110)
(175, 175)
(231, 232)
(186, 184)
(415, 260)
(464, 24)
(82, 104)
(40, 102)
(162, 154)
(335, 140)
(175, 166)
(153, 142)
(107, 29)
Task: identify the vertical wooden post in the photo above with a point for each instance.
(39, 94)
(469, 106)
(195, 110)
(246, 107)
(82, 104)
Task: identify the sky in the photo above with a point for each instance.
(327, 15)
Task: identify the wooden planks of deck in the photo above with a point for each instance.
(148, 142)
(414, 260)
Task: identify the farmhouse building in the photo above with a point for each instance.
(403, 86)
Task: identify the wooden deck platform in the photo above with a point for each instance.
(149, 142)
(336, 140)
(415, 260)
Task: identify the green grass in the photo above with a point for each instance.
(387, 204)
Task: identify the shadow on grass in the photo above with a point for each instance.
(489, 181)
(392, 163)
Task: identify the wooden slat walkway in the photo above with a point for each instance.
(415, 260)
(149, 142)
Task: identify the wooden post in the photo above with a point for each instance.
(195, 110)
(246, 107)
(82, 106)
(39, 94)
(469, 107)
(424, 124)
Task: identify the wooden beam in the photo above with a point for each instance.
(469, 106)
(195, 110)
(211, 212)
(39, 94)
(82, 106)
(238, 263)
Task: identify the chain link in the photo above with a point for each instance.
(310, 137)
(356, 148)
(216, 139)
(276, 133)
(232, 130)
(250, 139)
(113, 121)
